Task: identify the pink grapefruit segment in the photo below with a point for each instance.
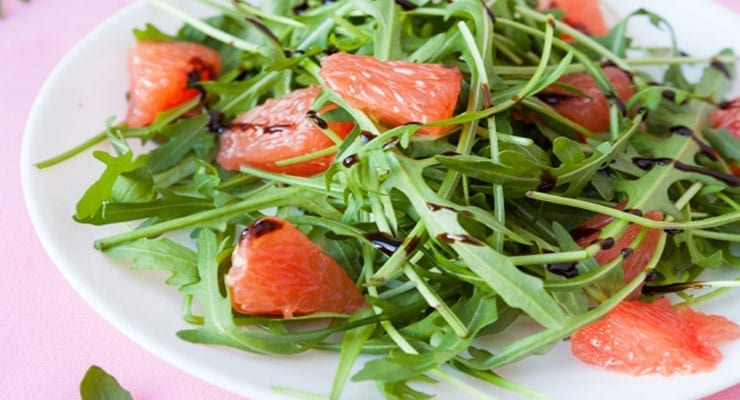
(728, 117)
(591, 108)
(640, 338)
(160, 76)
(635, 260)
(583, 15)
(276, 270)
(278, 130)
(395, 92)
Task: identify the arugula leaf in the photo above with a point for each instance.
(160, 254)
(98, 384)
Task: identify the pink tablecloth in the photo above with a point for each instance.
(49, 336)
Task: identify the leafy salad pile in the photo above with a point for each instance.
(473, 225)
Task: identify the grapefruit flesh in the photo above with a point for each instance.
(277, 130)
(636, 259)
(161, 74)
(640, 338)
(728, 117)
(591, 108)
(277, 271)
(395, 92)
(583, 15)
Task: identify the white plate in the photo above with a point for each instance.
(90, 84)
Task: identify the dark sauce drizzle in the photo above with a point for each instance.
(243, 126)
(406, 5)
(721, 67)
(262, 27)
(261, 227)
(350, 160)
(626, 252)
(675, 287)
(313, 116)
(216, 121)
(300, 8)
(607, 243)
(490, 12)
(614, 99)
(705, 149)
(452, 238)
(547, 181)
(436, 207)
(567, 270)
(367, 136)
(651, 275)
(384, 242)
(648, 163)
(580, 233)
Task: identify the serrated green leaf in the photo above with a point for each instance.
(99, 385)
(160, 254)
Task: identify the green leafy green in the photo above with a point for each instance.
(451, 239)
(98, 384)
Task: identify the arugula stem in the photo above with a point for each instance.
(270, 199)
(207, 29)
(436, 302)
(551, 258)
(725, 236)
(577, 35)
(597, 208)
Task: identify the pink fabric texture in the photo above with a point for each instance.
(50, 336)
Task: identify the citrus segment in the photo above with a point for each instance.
(583, 15)
(395, 92)
(635, 259)
(161, 74)
(278, 130)
(276, 270)
(641, 338)
(590, 108)
(728, 117)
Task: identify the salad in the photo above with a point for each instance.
(417, 212)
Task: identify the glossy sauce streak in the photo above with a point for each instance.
(317, 120)
(437, 207)
(262, 27)
(490, 12)
(607, 243)
(367, 136)
(452, 238)
(614, 99)
(243, 126)
(384, 242)
(580, 233)
(705, 149)
(721, 67)
(216, 121)
(261, 227)
(547, 182)
(300, 8)
(567, 270)
(626, 252)
(350, 160)
(651, 275)
(406, 5)
(648, 163)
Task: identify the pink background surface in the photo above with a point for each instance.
(49, 336)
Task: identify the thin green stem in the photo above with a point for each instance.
(597, 208)
(277, 197)
(207, 29)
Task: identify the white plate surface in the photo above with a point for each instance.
(90, 84)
